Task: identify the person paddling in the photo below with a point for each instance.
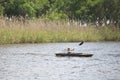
(72, 49)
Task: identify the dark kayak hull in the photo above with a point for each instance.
(73, 55)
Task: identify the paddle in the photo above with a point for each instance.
(81, 43)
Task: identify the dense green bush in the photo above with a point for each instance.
(56, 16)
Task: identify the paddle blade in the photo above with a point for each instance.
(81, 43)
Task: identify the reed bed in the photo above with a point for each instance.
(43, 31)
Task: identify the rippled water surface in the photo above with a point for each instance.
(38, 62)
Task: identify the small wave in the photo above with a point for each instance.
(34, 54)
(114, 55)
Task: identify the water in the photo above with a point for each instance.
(38, 62)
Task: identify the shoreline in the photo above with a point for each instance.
(52, 32)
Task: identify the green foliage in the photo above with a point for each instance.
(19, 8)
(56, 16)
(40, 6)
(56, 9)
(1, 10)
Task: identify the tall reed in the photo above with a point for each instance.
(41, 31)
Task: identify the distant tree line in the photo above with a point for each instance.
(84, 10)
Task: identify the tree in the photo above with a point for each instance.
(32, 8)
(19, 8)
(2, 1)
(85, 10)
(41, 7)
(1, 10)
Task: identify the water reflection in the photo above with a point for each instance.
(38, 62)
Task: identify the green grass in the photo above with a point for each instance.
(44, 32)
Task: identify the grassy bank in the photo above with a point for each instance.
(39, 31)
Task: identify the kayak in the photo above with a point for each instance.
(69, 54)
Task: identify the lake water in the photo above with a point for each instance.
(38, 62)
